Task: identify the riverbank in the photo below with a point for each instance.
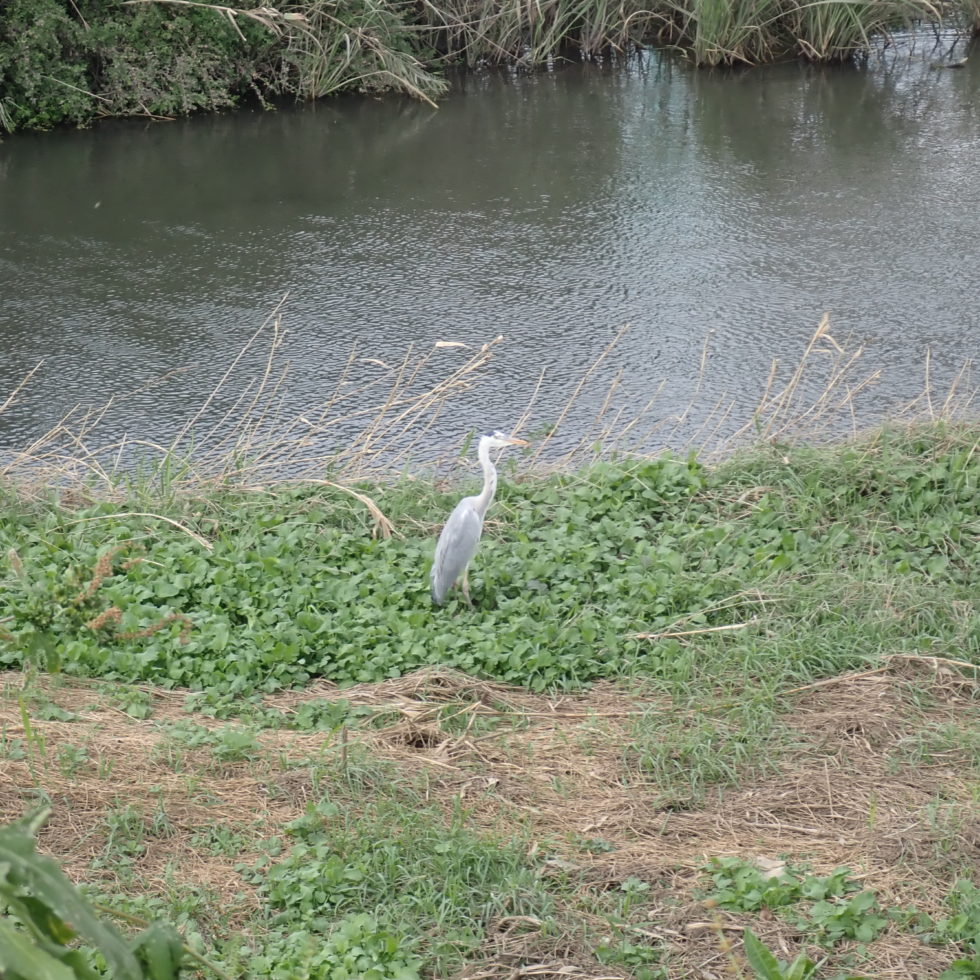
(243, 592)
(76, 61)
(677, 679)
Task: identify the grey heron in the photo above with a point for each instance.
(460, 537)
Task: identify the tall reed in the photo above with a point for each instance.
(328, 46)
(380, 414)
(967, 12)
(822, 31)
(367, 45)
(533, 32)
(719, 32)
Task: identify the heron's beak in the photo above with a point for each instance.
(517, 442)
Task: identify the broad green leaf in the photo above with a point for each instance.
(801, 968)
(42, 878)
(45, 921)
(20, 959)
(78, 961)
(863, 901)
(162, 950)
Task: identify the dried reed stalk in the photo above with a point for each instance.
(391, 407)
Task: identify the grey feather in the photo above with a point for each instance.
(461, 536)
(456, 547)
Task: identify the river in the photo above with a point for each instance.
(719, 215)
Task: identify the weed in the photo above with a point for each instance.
(743, 886)
(767, 967)
(405, 861)
(633, 890)
(54, 916)
(12, 748)
(967, 968)
(948, 742)
(640, 960)
(219, 839)
(44, 709)
(356, 946)
(704, 749)
(857, 917)
(125, 829)
(70, 759)
(960, 926)
(231, 743)
(623, 552)
(131, 700)
(34, 743)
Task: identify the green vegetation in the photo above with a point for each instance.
(842, 911)
(767, 967)
(73, 61)
(720, 33)
(743, 886)
(668, 667)
(836, 914)
(436, 890)
(815, 561)
(45, 915)
(440, 884)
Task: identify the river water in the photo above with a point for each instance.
(718, 215)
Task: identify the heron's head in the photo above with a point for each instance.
(497, 440)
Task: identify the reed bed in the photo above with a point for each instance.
(382, 411)
(714, 32)
(516, 32)
(375, 45)
(90, 59)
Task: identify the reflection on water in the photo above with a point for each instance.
(555, 208)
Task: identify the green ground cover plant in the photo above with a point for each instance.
(767, 967)
(840, 909)
(743, 886)
(339, 861)
(867, 549)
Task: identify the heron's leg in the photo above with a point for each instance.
(466, 585)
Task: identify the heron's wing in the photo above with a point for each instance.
(456, 546)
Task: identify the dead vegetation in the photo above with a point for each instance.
(382, 413)
(848, 792)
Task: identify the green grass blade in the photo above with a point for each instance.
(760, 959)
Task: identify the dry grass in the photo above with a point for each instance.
(329, 53)
(391, 408)
(555, 765)
(384, 410)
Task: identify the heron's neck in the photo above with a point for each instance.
(489, 478)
